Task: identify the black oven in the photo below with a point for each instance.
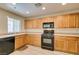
(6, 45)
(48, 25)
(47, 39)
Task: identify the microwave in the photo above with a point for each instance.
(48, 25)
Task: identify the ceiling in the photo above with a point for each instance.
(51, 8)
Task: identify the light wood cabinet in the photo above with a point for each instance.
(71, 21)
(72, 44)
(67, 21)
(19, 41)
(59, 43)
(78, 45)
(58, 22)
(28, 39)
(48, 19)
(39, 24)
(34, 39)
(33, 24)
(67, 44)
(37, 40)
(28, 24)
(77, 20)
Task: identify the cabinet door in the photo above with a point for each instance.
(71, 21)
(77, 45)
(29, 24)
(37, 40)
(34, 39)
(59, 43)
(39, 23)
(65, 21)
(34, 23)
(19, 41)
(24, 39)
(29, 39)
(77, 20)
(71, 44)
(58, 22)
(48, 19)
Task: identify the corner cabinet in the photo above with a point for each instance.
(34, 39)
(20, 41)
(67, 44)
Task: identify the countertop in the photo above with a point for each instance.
(67, 34)
(9, 35)
(59, 34)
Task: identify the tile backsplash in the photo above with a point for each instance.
(69, 30)
(63, 30)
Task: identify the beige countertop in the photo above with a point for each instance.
(10, 34)
(67, 34)
(59, 34)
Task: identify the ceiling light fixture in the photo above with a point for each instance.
(13, 3)
(43, 8)
(27, 12)
(64, 3)
(38, 4)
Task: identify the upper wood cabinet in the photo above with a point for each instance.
(58, 22)
(61, 21)
(77, 20)
(39, 23)
(28, 24)
(67, 21)
(71, 21)
(33, 24)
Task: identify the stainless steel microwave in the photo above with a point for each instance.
(48, 25)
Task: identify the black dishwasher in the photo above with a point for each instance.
(6, 45)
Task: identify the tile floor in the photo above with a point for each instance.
(32, 50)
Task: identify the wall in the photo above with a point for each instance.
(3, 20)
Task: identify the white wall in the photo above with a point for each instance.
(3, 20)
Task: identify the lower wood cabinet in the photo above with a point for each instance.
(33, 39)
(67, 44)
(59, 43)
(72, 44)
(37, 41)
(19, 41)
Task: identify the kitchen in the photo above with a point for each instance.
(52, 32)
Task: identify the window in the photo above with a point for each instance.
(13, 25)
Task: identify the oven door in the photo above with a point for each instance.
(47, 42)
